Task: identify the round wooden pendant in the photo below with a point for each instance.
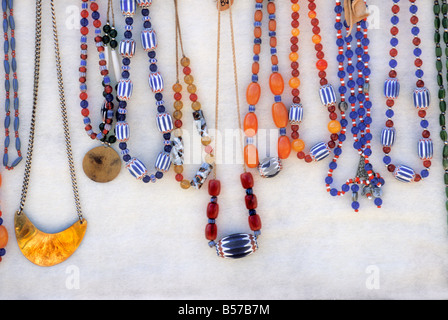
(102, 164)
(224, 4)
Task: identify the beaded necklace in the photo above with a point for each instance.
(366, 180)
(240, 244)
(438, 11)
(421, 102)
(177, 152)
(100, 164)
(270, 166)
(327, 94)
(124, 93)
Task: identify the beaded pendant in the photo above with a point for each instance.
(421, 97)
(101, 164)
(236, 245)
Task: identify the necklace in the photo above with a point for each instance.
(124, 92)
(438, 11)
(327, 94)
(240, 244)
(101, 164)
(42, 248)
(270, 166)
(421, 102)
(366, 181)
(177, 152)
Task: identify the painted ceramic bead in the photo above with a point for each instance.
(425, 149)
(236, 246)
(283, 147)
(127, 48)
(295, 114)
(122, 131)
(391, 88)
(280, 115)
(124, 89)
(163, 162)
(250, 124)
(421, 98)
(276, 83)
(247, 180)
(327, 95)
(404, 173)
(253, 93)
(388, 137)
(156, 82)
(270, 167)
(164, 122)
(127, 7)
(136, 168)
(320, 151)
(251, 156)
(149, 39)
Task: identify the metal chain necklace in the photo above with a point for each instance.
(42, 248)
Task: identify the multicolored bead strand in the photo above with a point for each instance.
(107, 109)
(360, 116)
(240, 244)
(327, 94)
(421, 102)
(10, 65)
(124, 92)
(442, 10)
(270, 166)
(177, 152)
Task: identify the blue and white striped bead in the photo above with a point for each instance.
(327, 95)
(421, 98)
(163, 162)
(164, 122)
(388, 137)
(156, 82)
(425, 149)
(320, 151)
(127, 7)
(149, 40)
(127, 48)
(391, 88)
(144, 3)
(124, 89)
(404, 173)
(236, 246)
(295, 114)
(122, 131)
(136, 168)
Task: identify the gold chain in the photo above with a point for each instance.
(29, 155)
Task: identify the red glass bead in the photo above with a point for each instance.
(84, 30)
(386, 150)
(426, 134)
(255, 222)
(214, 187)
(417, 178)
(211, 231)
(247, 180)
(427, 163)
(84, 13)
(301, 155)
(212, 210)
(179, 177)
(391, 168)
(94, 6)
(251, 201)
(322, 64)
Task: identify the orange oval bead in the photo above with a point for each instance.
(280, 115)
(251, 156)
(253, 93)
(250, 124)
(257, 48)
(276, 83)
(257, 32)
(293, 56)
(298, 145)
(272, 24)
(316, 39)
(258, 15)
(3, 237)
(283, 147)
(334, 126)
(294, 83)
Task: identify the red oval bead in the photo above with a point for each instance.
(211, 231)
(247, 180)
(212, 210)
(251, 201)
(255, 222)
(214, 187)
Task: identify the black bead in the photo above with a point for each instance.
(113, 44)
(106, 39)
(113, 33)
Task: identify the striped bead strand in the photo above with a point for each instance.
(10, 45)
(421, 102)
(321, 150)
(108, 104)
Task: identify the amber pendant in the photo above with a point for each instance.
(47, 249)
(102, 164)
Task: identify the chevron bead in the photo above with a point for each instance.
(327, 95)
(387, 137)
(156, 82)
(295, 114)
(425, 149)
(164, 122)
(127, 7)
(320, 151)
(144, 3)
(149, 39)
(391, 88)
(404, 173)
(163, 162)
(136, 168)
(127, 48)
(421, 98)
(122, 131)
(236, 246)
(124, 89)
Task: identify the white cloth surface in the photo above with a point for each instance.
(146, 241)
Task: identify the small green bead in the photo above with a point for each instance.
(445, 177)
(444, 22)
(445, 163)
(443, 135)
(445, 152)
(437, 23)
(438, 52)
(442, 93)
(442, 120)
(439, 65)
(442, 106)
(444, 8)
(446, 191)
(437, 37)
(436, 9)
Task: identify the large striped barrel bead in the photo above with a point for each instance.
(149, 39)
(391, 88)
(122, 131)
(387, 137)
(295, 113)
(421, 98)
(124, 89)
(163, 162)
(144, 3)
(404, 173)
(136, 168)
(127, 7)
(270, 167)
(164, 122)
(236, 246)
(327, 95)
(127, 48)
(425, 149)
(320, 151)
(156, 82)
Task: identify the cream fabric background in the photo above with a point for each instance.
(147, 241)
